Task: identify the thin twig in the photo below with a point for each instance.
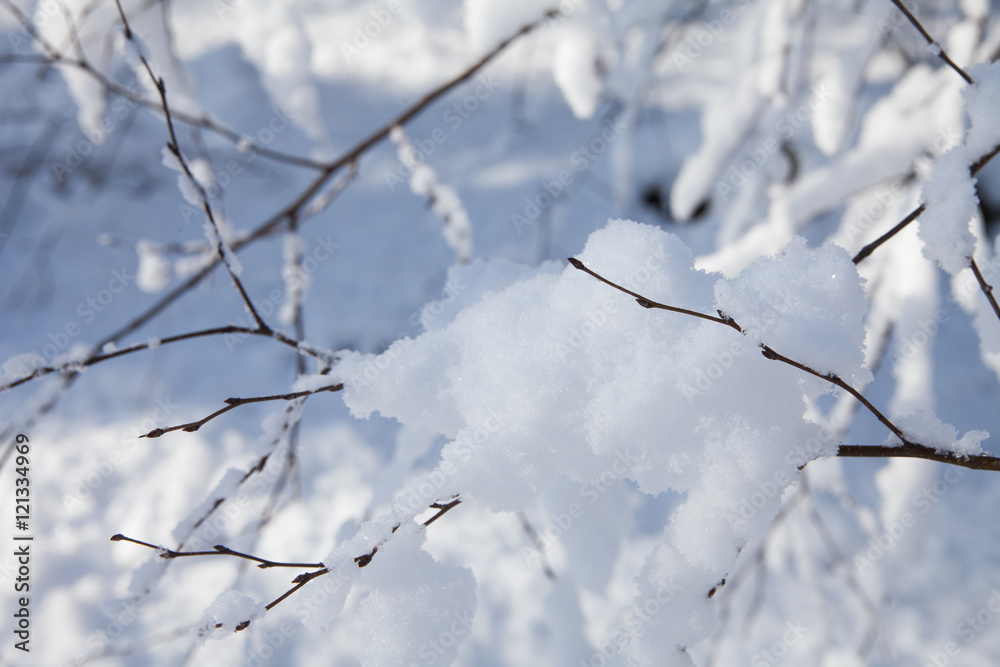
(54, 57)
(217, 550)
(974, 169)
(272, 224)
(232, 403)
(174, 147)
(918, 451)
(908, 448)
(73, 367)
(985, 287)
(932, 42)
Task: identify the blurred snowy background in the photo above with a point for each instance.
(734, 126)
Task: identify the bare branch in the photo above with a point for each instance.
(217, 550)
(931, 42)
(232, 403)
(908, 448)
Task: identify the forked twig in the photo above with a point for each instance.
(300, 580)
(217, 550)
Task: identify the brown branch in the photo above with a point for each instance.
(74, 366)
(300, 580)
(442, 510)
(767, 351)
(974, 169)
(272, 224)
(985, 287)
(232, 403)
(871, 247)
(217, 550)
(907, 449)
(932, 42)
(835, 379)
(221, 248)
(649, 303)
(918, 451)
(55, 57)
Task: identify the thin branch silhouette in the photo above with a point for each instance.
(217, 550)
(931, 42)
(73, 367)
(907, 449)
(233, 403)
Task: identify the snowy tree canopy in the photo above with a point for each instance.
(481, 333)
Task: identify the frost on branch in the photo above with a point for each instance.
(816, 322)
(950, 192)
(416, 607)
(229, 613)
(950, 196)
(559, 375)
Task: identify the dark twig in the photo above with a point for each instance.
(918, 451)
(917, 212)
(291, 211)
(300, 580)
(906, 449)
(932, 42)
(73, 367)
(985, 287)
(53, 56)
(217, 550)
(649, 303)
(442, 509)
(222, 249)
(232, 403)
(871, 247)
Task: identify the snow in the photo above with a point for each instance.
(631, 479)
(189, 189)
(155, 270)
(229, 611)
(927, 429)
(805, 304)
(21, 366)
(575, 70)
(950, 197)
(443, 199)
